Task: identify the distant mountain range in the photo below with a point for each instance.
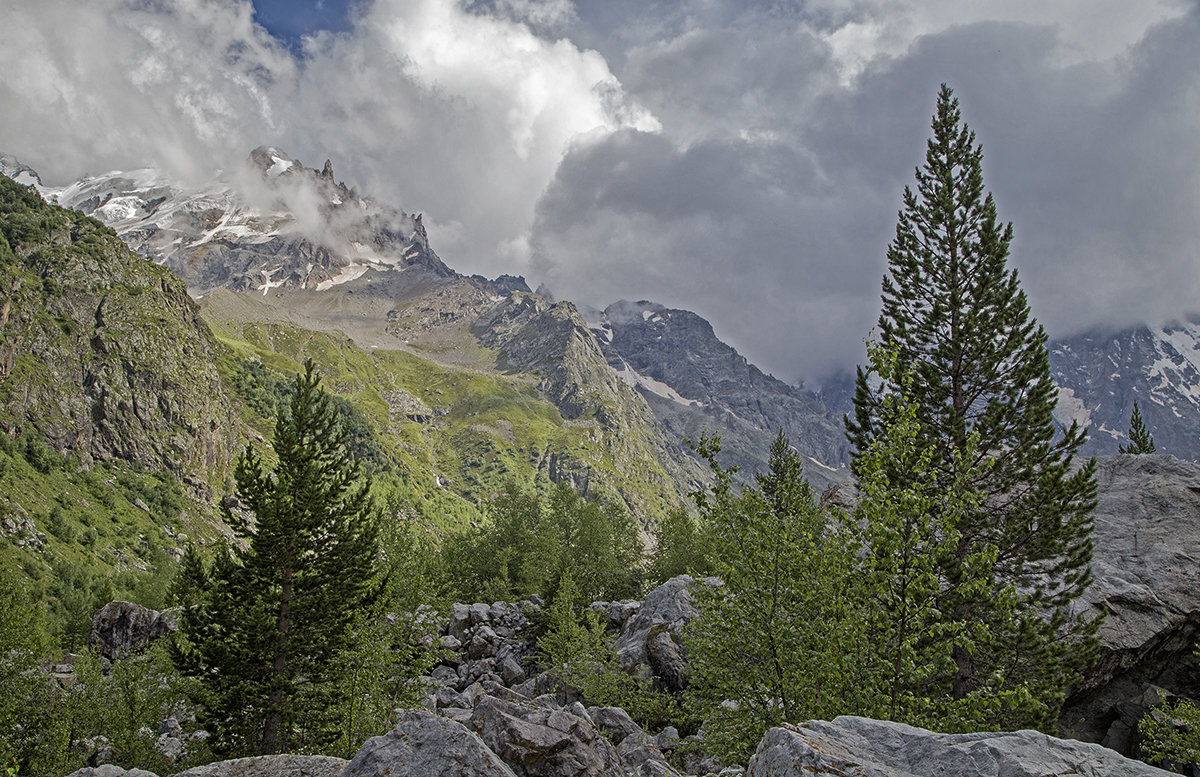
(327, 258)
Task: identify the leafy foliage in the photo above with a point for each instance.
(779, 639)
(24, 699)
(680, 547)
(530, 541)
(1170, 735)
(912, 574)
(578, 648)
(48, 728)
(391, 644)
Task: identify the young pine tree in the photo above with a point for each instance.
(264, 638)
(777, 641)
(1140, 441)
(955, 316)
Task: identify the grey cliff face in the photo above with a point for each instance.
(1147, 585)
(1101, 376)
(694, 381)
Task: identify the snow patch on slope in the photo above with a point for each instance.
(639, 381)
(1071, 408)
(1175, 373)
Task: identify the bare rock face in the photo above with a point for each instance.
(424, 744)
(271, 766)
(110, 770)
(537, 738)
(870, 748)
(714, 387)
(1147, 582)
(652, 640)
(119, 627)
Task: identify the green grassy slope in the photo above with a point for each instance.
(454, 434)
(123, 406)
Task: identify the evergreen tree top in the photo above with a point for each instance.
(1140, 441)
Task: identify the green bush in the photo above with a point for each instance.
(529, 542)
(40, 457)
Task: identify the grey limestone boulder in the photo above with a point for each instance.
(109, 770)
(537, 738)
(119, 627)
(271, 766)
(614, 722)
(653, 637)
(424, 744)
(860, 747)
(1147, 583)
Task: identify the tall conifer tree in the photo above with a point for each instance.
(956, 318)
(265, 637)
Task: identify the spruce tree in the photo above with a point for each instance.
(956, 318)
(264, 639)
(1140, 441)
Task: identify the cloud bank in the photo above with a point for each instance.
(742, 160)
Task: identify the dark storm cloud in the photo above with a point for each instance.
(745, 160)
(740, 232)
(775, 223)
(1097, 165)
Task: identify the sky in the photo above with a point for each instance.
(745, 160)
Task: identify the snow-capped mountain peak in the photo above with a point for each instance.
(272, 223)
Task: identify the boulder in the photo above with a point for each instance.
(109, 770)
(870, 748)
(119, 627)
(424, 744)
(539, 739)
(614, 722)
(1147, 582)
(271, 766)
(640, 756)
(653, 636)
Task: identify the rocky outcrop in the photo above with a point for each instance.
(652, 640)
(538, 738)
(271, 766)
(1147, 584)
(553, 342)
(104, 352)
(870, 748)
(121, 627)
(424, 744)
(488, 680)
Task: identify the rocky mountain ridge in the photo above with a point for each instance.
(695, 382)
(103, 352)
(273, 224)
(280, 228)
